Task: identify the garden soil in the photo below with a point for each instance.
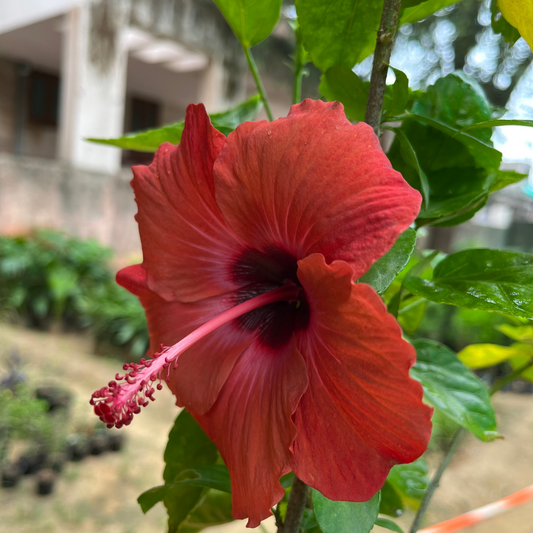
(99, 493)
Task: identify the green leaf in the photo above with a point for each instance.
(409, 156)
(146, 141)
(385, 269)
(452, 388)
(410, 481)
(411, 313)
(520, 361)
(345, 517)
(517, 333)
(227, 121)
(504, 178)
(389, 524)
(390, 503)
(252, 21)
(485, 156)
(342, 84)
(400, 93)
(209, 476)
(343, 33)
(212, 510)
(497, 123)
(422, 10)
(489, 280)
(484, 355)
(188, 447)
(499, 25)
(150, 140)
(455, 170)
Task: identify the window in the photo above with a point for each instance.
(43, 96)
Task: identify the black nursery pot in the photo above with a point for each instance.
(55, 397)
(45, 482)
(99, 443)
(77, 447)
(56, 461)
(32, 462)
(10, 476)
(116, 441)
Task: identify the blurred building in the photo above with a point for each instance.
(74, 69)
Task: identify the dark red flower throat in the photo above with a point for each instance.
(260, 272)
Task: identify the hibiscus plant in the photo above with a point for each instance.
(280, 266)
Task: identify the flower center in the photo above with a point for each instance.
(121, 399)
(259, 272)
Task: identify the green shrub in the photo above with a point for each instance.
(43, 275)
(47, 276)
(116, 317)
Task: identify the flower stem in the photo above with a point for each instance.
(453, 447)
(380, 66)
(299, 64)
(258, 82)
(296, 506)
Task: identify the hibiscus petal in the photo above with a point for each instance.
(203, 369)
(187, 246)
(360, 396)
(313, 182)
(251, 424)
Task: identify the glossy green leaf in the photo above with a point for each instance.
(517, 333)
(452, 388)
(152, 496)
(209, 476)
(455, 170)
(499, 25)
(389, 524)
(410, 481)
(484, 355)
(252, 21)
(489, 280)
(390, 503)
(522, 360)
(188, 447)
(485, 156)
(150, 140)
(423, 10)
(410, 157)
(213, 509)
(497, 123)
(400, 94)
(411, 313)
(345, 517)
(385, 269)
(504, 178)
(343, 85)
(343, 33)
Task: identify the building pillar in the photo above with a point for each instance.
(93, 74)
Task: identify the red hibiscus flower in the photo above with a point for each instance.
(251, 245)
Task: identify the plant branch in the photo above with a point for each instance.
(435, 480)
(380, 66)
(499, 385)
(258, 82)
(296, 506)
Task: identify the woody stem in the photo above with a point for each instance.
(296, 507)
(432, 487)
(380, 66)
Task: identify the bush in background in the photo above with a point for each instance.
(48, 277)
